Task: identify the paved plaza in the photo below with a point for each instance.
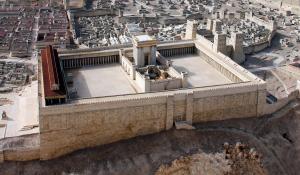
(22, 112)
(200, 73)
(104, 80)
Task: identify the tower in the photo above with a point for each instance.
(144, 50)
(220, 43)
(217, 26)
(191, 29)
(209, 25)
(238, 54)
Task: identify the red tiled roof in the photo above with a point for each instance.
(52, 78)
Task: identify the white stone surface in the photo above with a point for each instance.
(200, 73)
(144, 38)
(104, 80)
(22, 112)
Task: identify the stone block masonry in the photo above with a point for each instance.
(91, 122)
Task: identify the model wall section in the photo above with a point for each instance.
(65, 132)
(66, 128)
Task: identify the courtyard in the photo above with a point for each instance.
(200, 73)
(99, 81)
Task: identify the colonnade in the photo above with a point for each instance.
(177, 51)
(90, 61)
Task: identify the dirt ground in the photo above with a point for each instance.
(236, 159)
(276, 139)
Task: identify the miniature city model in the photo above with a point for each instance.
(94, 97)
(149, 86)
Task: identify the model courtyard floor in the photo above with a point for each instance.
(104, 80)
(200, 73)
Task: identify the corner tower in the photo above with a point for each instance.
(191, 29)
(220, 43)
(238, 54)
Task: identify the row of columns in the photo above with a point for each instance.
(177, 51)
(55, 101)
(81, 62)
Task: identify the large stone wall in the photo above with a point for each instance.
(270, 24)
(90, 122)
(66, 128)
(256, 47)
(19, 154)
(96, 121)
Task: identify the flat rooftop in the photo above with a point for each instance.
(144, 38)
(200, 73)
(103, 80)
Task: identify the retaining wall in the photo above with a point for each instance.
(91, 122)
